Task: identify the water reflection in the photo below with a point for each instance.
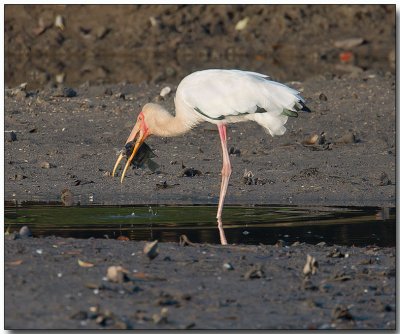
(266, 225)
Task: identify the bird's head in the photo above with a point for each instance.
(139, 133)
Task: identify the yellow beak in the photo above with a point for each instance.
(139, 131)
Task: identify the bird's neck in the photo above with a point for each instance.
(171, 126)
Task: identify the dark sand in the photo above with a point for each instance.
(47, 288)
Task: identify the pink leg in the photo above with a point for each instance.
(226, 173)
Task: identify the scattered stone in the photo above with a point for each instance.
(46, 165)
(67, 197)
(242, 24)
(12, 236)
(384, 180)
(19, 91)
(42, 27)
(348, 43)
(166, 299)
(322, 138)
(108, 91)
(341, 312)
(323, 97)
(59, 22)
(234, 151)
(162, 317)
(321, 244)
(25, 232)
(335, 253)
(117, 274)
(12, 136)
(280, 243)
(165, 91)
(120, 96)
(85, 264)
(102, 32)
(19, 177)
(60, 78)
(311, 140)
(190, 172)
(64, 92)
(248, 178)
(348, 138)
(307, 284)
(310, 268)
(341, 277)
(227, 266)
(255, 272)
(151, 249)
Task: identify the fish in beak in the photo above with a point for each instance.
(137, 137)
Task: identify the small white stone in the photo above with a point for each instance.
(165, 91)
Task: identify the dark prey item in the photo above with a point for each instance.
(142, 157)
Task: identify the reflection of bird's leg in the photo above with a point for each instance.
(226, 173)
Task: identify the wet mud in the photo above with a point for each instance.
(196, 286)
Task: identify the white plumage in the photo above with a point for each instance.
(231, 96)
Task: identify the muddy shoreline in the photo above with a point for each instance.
(198, 286)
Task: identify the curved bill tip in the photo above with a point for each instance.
(117, 164)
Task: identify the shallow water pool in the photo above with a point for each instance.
(242, 225)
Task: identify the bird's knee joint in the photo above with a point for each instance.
(226, 171)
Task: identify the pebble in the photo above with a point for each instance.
(348, 43)
(248, 178)
(46, 165)
(67, 197)
(190, 172)
(234, 151)
(323, 97)
(348, 138)
(227, 266)
(255, 272)
(59, 22)
(311, 266)
(64, 92)
(12, 136)
(162, 317)
(151, 249)
(19, 177)
(311, 140)
(25, 232)
(102, 32)
(335, 253)
(384, 179)
(342, 312)
(242, 24)
(165, 91)
(117, 274)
